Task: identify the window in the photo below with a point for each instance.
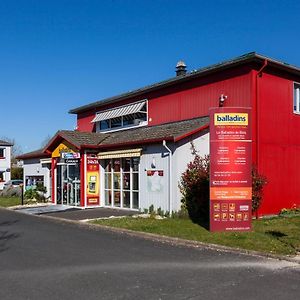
(131, 115)
(296, 98)
(2, 174)
(2, 153)
(121, 182)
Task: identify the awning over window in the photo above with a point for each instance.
(118, 112)
(45, 160)
(120, 153)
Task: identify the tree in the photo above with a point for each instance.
(16, 173)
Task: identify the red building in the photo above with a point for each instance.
(271, 88)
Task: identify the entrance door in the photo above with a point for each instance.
(68, 184)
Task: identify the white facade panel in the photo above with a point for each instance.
(154, 188)
(182, 156)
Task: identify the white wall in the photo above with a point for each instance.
(148, 195)
(182, 156)
(5, 164)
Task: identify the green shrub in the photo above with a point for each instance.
(194, 187)
(37, 193)
(258, 182)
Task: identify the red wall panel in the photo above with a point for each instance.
(84, 122)
(278, 143)
(193, 99)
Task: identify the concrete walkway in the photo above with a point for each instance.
(73, 213)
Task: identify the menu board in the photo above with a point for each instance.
(230, 169)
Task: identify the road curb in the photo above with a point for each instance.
(167, 239)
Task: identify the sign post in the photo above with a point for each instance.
(230, 169)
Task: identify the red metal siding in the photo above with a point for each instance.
(278, 143)
(186, 100)
(84, 122)
(194, 99)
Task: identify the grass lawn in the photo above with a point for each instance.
(9, 201)
(278, 235)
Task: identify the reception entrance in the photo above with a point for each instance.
(68, 183)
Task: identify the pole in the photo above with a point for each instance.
(22, 194)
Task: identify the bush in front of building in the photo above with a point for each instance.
(194, 187)
(258, 182)
(36, 194)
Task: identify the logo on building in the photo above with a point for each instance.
(240, 119)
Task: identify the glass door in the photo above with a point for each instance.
(68, 184)
(121, 182)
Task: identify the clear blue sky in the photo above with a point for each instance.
(58, 55)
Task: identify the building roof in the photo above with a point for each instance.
(142, 135)
(244, 59)
(170, 131)
(33, 154)
(77, 138)
(5, 143)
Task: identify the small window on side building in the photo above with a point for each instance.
(296, 98)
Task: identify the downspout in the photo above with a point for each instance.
(258, 75)
(170, 178)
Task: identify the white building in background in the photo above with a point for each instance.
(36, 170)
(5, 162)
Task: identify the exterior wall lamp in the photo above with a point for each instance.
(222, 99)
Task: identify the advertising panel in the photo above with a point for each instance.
(230, 169)
(92, 178)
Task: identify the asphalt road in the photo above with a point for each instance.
(46, 259)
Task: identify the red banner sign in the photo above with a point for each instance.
(92, 177)
(230, 169)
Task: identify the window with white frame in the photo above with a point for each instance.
(2, 154)
(121, 183)
(296, 98)
(130, 115)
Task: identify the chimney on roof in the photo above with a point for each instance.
(180, 68)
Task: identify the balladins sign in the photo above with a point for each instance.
(230, 169)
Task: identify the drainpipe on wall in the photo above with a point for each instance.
(259, 74)
(170, 178)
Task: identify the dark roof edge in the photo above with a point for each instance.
(33, 154)
(246, 58)
(5, 143)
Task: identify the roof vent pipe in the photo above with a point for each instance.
(180, 68)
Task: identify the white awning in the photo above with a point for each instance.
(118, 112)
(120, 153)
(45, 160)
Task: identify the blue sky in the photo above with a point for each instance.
(58, 55)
